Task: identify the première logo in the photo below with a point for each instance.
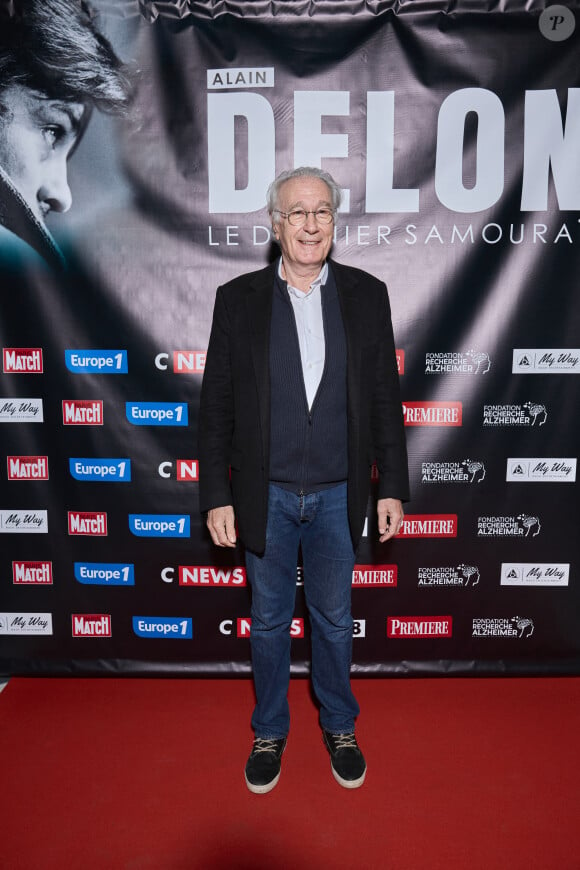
(429, 526)
(433, 413)
(371, 576)
(419, 626)
(23, 360)
(91, 523)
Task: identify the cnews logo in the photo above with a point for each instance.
(185, 362)
(243, 625)
(433, 413)
(176, 628)
(27, 360)
(32, 573)
(429, 526)
(419, 626)
(103, 362)
(101, 469)
(27, 467)
(159, 525)
(186, 470)
(91, 625)
(156, 413)
(82, 412)
(92, 523)
(206, 575)
(105, 573)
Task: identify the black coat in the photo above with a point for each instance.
(234, 418)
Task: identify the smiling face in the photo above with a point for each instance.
(36, 137)
(304, 249)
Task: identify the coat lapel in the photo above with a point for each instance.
(259, 310)
(347, 282)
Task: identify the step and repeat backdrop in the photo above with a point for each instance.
(454, 130)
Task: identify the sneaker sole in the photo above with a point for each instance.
(263, 789)
(348, 783)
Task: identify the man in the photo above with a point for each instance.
(300, 395)
(55, 67)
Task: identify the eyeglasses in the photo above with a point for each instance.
(298, 216)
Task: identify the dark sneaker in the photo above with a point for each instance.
(346, 760)
(263, 766)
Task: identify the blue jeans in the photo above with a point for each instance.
(319, 522)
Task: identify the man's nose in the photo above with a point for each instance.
(54, 190)
(311, 223)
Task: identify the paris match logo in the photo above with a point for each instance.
(22, 360)
(32, 573)
(92, 523)
(82, 412)
(27, 467)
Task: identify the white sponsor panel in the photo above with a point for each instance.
(25, 623)
(535, 574)
(546, 360)
(23, 521)
(21, 411)
(538, 469)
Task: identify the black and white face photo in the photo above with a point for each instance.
(37, 135)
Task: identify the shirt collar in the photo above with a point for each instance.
(318, 281)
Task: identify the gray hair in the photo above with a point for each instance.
(302, 172)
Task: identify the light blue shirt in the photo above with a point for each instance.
(309, 324)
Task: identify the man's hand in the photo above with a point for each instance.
(222, 526)
(390, 515)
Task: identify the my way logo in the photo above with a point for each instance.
(27, 467)
(82, 412)
(553, 470)
(105, 573)
(444, 576)
(156, 413)
(184, 362)
(110, 470)
(521, 526)
(471, 363)
(433, 413)
(91, 523)
(429, 526)
(546, 361)
(26, 623)
(21, 411)
(32, 573)
(160, 525)
(24, 360)
(534, 574)
(102, 362)
(528, 414)
(466, 471)
(176, 628)
(24, 521)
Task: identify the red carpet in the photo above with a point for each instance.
(130, 774)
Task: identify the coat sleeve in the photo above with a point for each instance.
(387, 423)
(216, 413)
